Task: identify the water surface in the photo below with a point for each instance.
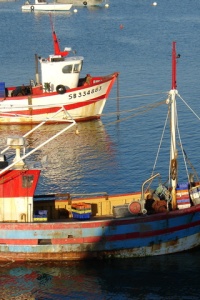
(110, 156)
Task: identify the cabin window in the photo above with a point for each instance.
(77, 68)
(67, 69)
(27, 181)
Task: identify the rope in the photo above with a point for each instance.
(145, 109)
(189, 107)
(181, 146)
(159, 147)
(186, 159)
(192, 167)
(137, 96)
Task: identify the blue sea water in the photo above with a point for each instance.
(134, 38)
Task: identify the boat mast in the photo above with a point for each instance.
(174, 66)
(173, 149)
(37, 79)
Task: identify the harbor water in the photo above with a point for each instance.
(117, 153)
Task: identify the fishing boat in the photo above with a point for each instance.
(83, 2)
(58, 85)
(43, 5)
(161, 218)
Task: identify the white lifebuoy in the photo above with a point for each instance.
(60, 89)
(32, 8)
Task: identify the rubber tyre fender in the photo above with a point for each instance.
(85, 3)
(60, 89)
(32, 8)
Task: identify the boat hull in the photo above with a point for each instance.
(83, 2)
(81, 104)
(46, 7)
(101, 239)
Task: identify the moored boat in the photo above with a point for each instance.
(58, 85)
(161, 218)
(83, 2)
(43, 5)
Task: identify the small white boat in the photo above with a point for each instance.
(83, 2)
(43, 5)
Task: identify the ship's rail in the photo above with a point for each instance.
(70, 123)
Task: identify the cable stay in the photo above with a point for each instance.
(137, 111)
(189, 107)
(137, 96)
(186, 160)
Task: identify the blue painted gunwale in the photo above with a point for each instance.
(136, 235)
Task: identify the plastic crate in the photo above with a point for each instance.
(81, 216)
(182, 198)
(2, 89)
(195, 195)
(182, 186)
(41, 212)
(40, 218)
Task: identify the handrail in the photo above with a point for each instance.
(69, 196)
(151, 178)
(43, 144)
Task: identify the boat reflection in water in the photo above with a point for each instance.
(39, 281)
(114, 279)
(68, 163)
(77, 162)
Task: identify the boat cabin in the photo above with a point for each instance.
(57, 70)
(36, 2)
(40, 2)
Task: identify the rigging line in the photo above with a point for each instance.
(137, 96)
(133, 115)
(159, 147)
(189, 162)
(169, 170)
(181, 146)
(189, 107)
(153, 105)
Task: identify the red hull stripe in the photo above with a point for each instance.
(54, 109)
(18, 242)
(96, 224)
(94, 239)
